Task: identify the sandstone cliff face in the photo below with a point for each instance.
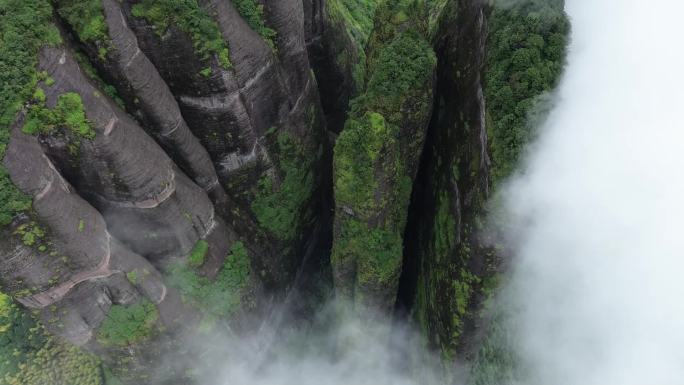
(444, 252)
(376, 158)
(175, 163)
(150, 162)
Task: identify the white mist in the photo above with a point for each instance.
(598, 211)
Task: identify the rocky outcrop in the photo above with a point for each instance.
(478, 129)
(444, 253)
(168, 164)
(376, 159)
(158, 165)
(62, 261)
(337, 33)
(242, 114)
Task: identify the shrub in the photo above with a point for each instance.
(253, 13)
(222, 296)
(28, 356)
(86, 17)
(280, 208)
(128, 325)
(198, 253)
(26, 27)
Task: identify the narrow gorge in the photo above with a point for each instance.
(189, 182)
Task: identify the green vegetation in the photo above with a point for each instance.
(356, 150)
(358, 16)
(30, 233)
(132, 277)
(189, 17)
(446, 287)
(86, 17)
(496, 361)
(527, 43)
(69, 113)
(279, 207)
(403, 70)
(435, 8)
(377, 252)
(13, 200)
(253, 13)
(26, 27)
(198, 253)
(28, 356)
(222, 296)
(353, 18)
(371, 182)
(445, 233)
(128, 325)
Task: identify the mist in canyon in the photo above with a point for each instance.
(594, 218)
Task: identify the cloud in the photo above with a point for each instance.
(598, 212)
(337, 348)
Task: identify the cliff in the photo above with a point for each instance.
(172, 166)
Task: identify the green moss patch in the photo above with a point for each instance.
(198, 253)
(91, 72)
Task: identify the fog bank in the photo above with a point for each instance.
(597, 214)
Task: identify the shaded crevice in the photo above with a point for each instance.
(444, 259)
(326, 40)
